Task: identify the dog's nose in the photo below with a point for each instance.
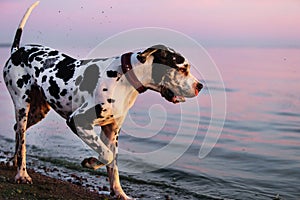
(199, 86)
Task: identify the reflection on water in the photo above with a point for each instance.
(257, 155)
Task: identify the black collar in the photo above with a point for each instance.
(129, 73)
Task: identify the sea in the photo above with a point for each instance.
(238, 139)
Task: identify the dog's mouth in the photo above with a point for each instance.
(170, 96)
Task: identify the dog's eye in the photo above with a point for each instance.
(183, 70)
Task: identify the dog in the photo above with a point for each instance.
(88, 93)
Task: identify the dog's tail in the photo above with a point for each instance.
(16, 43)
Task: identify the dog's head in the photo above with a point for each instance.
(170, 73)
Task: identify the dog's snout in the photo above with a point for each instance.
(198, 87)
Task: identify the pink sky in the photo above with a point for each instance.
(210, 22)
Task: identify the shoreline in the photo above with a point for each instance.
(43, 187)
(71, 177)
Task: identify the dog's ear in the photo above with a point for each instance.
(142, 57)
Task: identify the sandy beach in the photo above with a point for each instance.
(43, 187)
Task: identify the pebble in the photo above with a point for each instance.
(74, 176)
(8, 164)
(77, 183)
(277, 197)
(2, 178)
(83, 179)
(55, 169)
(105, 188)
(46, 169)
(19, 191)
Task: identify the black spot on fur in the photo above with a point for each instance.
(21, 113)
(27, 92)
(63, 92)
(20, 83)
(105, 89)
(24, 80)
(38, 59)
(49, 63)
(19, 160)
(85, 119)
(98, 109)
(111, 100)
(22, 55)
(37, 72)
(34, 55)
(158, 71)
(75, 91)
(44, 78)
(65, 68)
(78, 80)
(53, 105)
(112, 74)
(90, 79)
(54, 89)
(59, 104)
(53, 53)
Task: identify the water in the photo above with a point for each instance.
(256, 157)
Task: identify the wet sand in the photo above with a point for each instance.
(43, 187)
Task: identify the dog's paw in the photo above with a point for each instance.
(120, 194)
(24, 179)
(92, 163)
(125, 197)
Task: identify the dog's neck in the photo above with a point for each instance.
(143, 72)
(126, 93)
(130, 74)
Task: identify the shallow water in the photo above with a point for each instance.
(256, 157)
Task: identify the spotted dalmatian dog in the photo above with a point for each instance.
(88, 93)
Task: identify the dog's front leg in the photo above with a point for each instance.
(110, 135)
(81, 123)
